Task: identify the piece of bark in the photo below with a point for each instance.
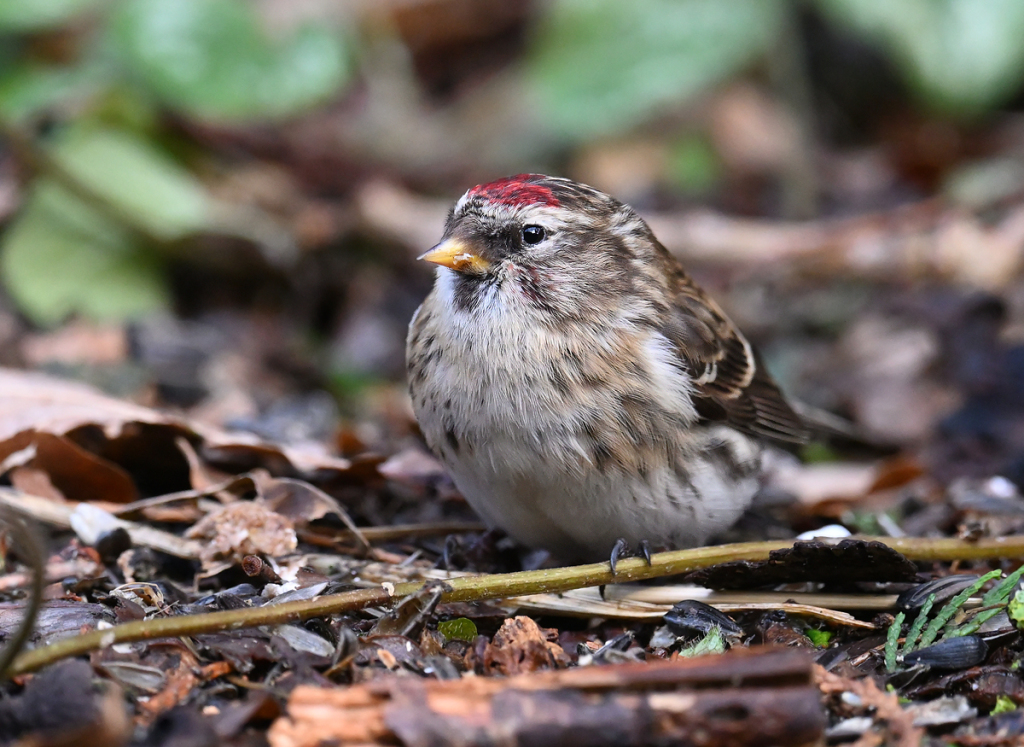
(826, 561)
(58, 619)
(747, 697)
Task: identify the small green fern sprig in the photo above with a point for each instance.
(992, 603)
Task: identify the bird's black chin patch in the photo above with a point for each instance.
(468, 290)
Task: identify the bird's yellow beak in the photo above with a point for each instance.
(457, 256)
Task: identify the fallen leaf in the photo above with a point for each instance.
(95, 447)
(521, 646)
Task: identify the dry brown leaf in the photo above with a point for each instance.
(87, 442)
(521, 646)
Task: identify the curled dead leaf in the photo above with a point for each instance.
(521, 646)
(240, 529)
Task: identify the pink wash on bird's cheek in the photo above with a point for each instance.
(532, 283)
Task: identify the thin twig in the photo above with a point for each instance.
(27, 541)
(479, 588)
(327, 537)
(59, 515)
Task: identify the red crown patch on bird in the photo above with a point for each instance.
(516, 191)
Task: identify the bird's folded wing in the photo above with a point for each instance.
(730, 380)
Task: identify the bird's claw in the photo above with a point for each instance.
(618, 549)
(621, 549)
(452, 550)
(645, 551)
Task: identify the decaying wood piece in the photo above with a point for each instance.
(745, 697)
(931, 238)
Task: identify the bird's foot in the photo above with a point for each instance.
(482, 551)
(452, 553)
(621, 549)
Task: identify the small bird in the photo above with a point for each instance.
(585, 394)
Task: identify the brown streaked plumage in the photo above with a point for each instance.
(577, 383)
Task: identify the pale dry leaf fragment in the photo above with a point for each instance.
(37, 482)
(243, 528)
(752, 132)
(412, 466)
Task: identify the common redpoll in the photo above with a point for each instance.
(578, 385)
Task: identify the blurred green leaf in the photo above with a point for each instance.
(60, 258)
(64, 256)
(599, 66)
(211, 59)
(960, 55)
(817, 452)
(28, 15)
(459, 629)
(27, 89)
(157, 194)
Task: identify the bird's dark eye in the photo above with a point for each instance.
(533, 234)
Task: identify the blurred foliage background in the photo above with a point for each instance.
(255, 177)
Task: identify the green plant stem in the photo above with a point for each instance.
(892, 639)
(980, 619)
(999, 594)
(479, 588)
(949, 609)
(915, 630)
